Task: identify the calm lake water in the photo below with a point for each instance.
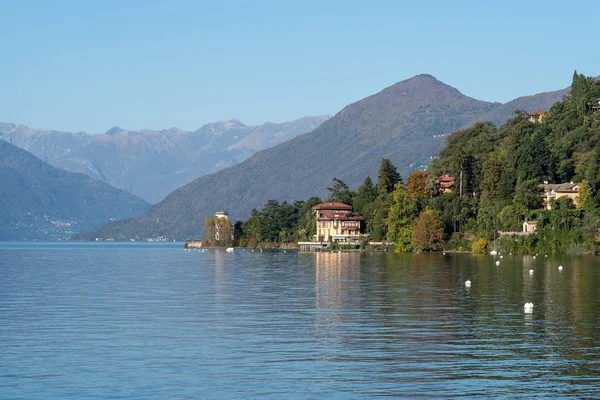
(152, 321)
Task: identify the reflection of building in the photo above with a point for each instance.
(557, 190)
(337, 222)
(538, 116)
(444, 184)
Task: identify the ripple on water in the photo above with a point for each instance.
(158, 322)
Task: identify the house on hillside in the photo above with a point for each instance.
(596, 105)
(444, 184)
(538, 116)
(337, 222)
(557, 190)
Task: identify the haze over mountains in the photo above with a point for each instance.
(152, 163)
(40, 202)
(407, 122)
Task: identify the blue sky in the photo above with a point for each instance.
(83, 65)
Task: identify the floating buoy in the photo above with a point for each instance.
(528, 308)
(497, 262)
(546, 255)
(530, 272)
(560, 267)
(501, 256)
(534, 257)
(467, 283)
(443, 254)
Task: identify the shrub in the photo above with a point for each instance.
(479, 246)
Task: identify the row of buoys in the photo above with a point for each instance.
(528, 307)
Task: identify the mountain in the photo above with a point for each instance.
(40, 202)
(406, 122)
(152, 163)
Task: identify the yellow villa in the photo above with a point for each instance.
(557, 190)
(336, 222)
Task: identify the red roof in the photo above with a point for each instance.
(332, 205)
(340, 215)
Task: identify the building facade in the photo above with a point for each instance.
(555, 191)
(337, 223)
(444, 184)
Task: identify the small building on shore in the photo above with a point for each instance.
(337, 222)
(529, 227)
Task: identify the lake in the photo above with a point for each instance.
(152, 321)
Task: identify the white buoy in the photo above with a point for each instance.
(528, 308)
(560, 267)
(546, 255)
(229, 249)
(530, 272)
(443, 254)
(501, 256)
(497, 262)
(510, 254)
(467, 283)
(534, 257)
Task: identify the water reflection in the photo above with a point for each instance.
(337, 291)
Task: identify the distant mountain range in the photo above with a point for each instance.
(40, 202)
(152, 163)
(407, 122)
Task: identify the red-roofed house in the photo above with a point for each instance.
(444, 184)
(337, 222)
(537, 116)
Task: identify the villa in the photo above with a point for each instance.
(337, 223)
(538, 116)
(557, 190)
(444, 184)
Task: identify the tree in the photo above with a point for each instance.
(400, 218)
(428, 231)
(219, 231)
(339, 191)
(306, 225)
(527, 196)
(387, 177)
(365, 194)
(417, 185)
(584, 196)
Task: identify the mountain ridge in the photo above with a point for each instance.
(169, 158)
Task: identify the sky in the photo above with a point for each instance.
(91, 65)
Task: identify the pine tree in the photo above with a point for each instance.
(388, 177)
